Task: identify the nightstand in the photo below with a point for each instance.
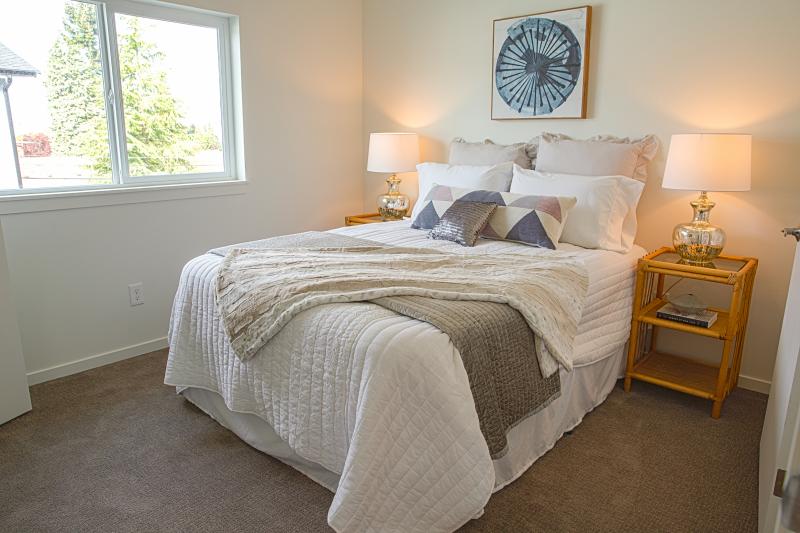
(366, 218)
(673, 371)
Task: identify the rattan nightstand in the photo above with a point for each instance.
(366, 218)
(673, 371)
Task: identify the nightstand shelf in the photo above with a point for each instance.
(677, 373)
(646, 363)
(716, 331)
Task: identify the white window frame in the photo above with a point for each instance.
(112, 84)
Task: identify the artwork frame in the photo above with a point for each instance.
(516, 90)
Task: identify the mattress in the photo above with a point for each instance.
(346, 391)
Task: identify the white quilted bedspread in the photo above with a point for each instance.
(379, 398)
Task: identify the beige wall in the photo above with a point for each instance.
(657, 66)
(301, 90)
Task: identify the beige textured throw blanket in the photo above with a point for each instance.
(261, 290)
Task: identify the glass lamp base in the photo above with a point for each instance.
(699, 242)
(393, 205)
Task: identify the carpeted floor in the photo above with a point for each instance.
(112, 449)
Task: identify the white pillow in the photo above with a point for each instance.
(486, 177)
(604, 216)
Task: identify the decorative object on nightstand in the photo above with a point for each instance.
(698, 317)
(705, 162)
(393, 153)
(685, 303)
(686, 308)
(645, 363)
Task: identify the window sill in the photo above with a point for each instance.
(54, 201)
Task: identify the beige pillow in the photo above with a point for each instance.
(488, 153)
(601, 155)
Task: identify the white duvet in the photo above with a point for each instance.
(379, 398)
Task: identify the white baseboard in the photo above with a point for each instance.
(754, 384)
(94, 361)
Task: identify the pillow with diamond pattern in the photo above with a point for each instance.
(527, 219)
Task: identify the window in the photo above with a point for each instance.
(101, 94)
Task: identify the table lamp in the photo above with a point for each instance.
(393, 153)
(705, 162)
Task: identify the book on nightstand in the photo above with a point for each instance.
(703, 319)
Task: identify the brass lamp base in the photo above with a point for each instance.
(699, 242)
(393, 205)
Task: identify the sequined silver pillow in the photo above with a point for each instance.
(463, 222)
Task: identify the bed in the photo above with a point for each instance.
(375, 406)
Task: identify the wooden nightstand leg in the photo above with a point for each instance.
(730, 348)
(722, 380)
(633, 341)
(633, 344)
(654, 329)
(736, 361)
(744, 315)
(631, 357)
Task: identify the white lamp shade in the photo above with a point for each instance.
(708, 162)
(393, 152)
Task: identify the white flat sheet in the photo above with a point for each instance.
(383, 400)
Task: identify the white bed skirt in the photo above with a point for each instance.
(582, 390)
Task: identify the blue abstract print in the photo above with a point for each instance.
(538, 66)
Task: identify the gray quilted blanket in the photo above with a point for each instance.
(499, 355)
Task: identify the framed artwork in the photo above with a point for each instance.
(540, 65)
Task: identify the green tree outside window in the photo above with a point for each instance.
(157, 140)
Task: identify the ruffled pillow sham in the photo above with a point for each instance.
(601, 155)
(487, 152)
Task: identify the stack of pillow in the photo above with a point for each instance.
(554, 188)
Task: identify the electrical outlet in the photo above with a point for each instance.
(136, 293)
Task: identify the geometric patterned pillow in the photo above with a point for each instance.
(527, 219)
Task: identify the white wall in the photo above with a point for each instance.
(657, 66)
(301, 91)
(14, 397)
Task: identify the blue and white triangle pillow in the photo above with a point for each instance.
(533, 220)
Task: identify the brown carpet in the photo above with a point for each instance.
(112, 449)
